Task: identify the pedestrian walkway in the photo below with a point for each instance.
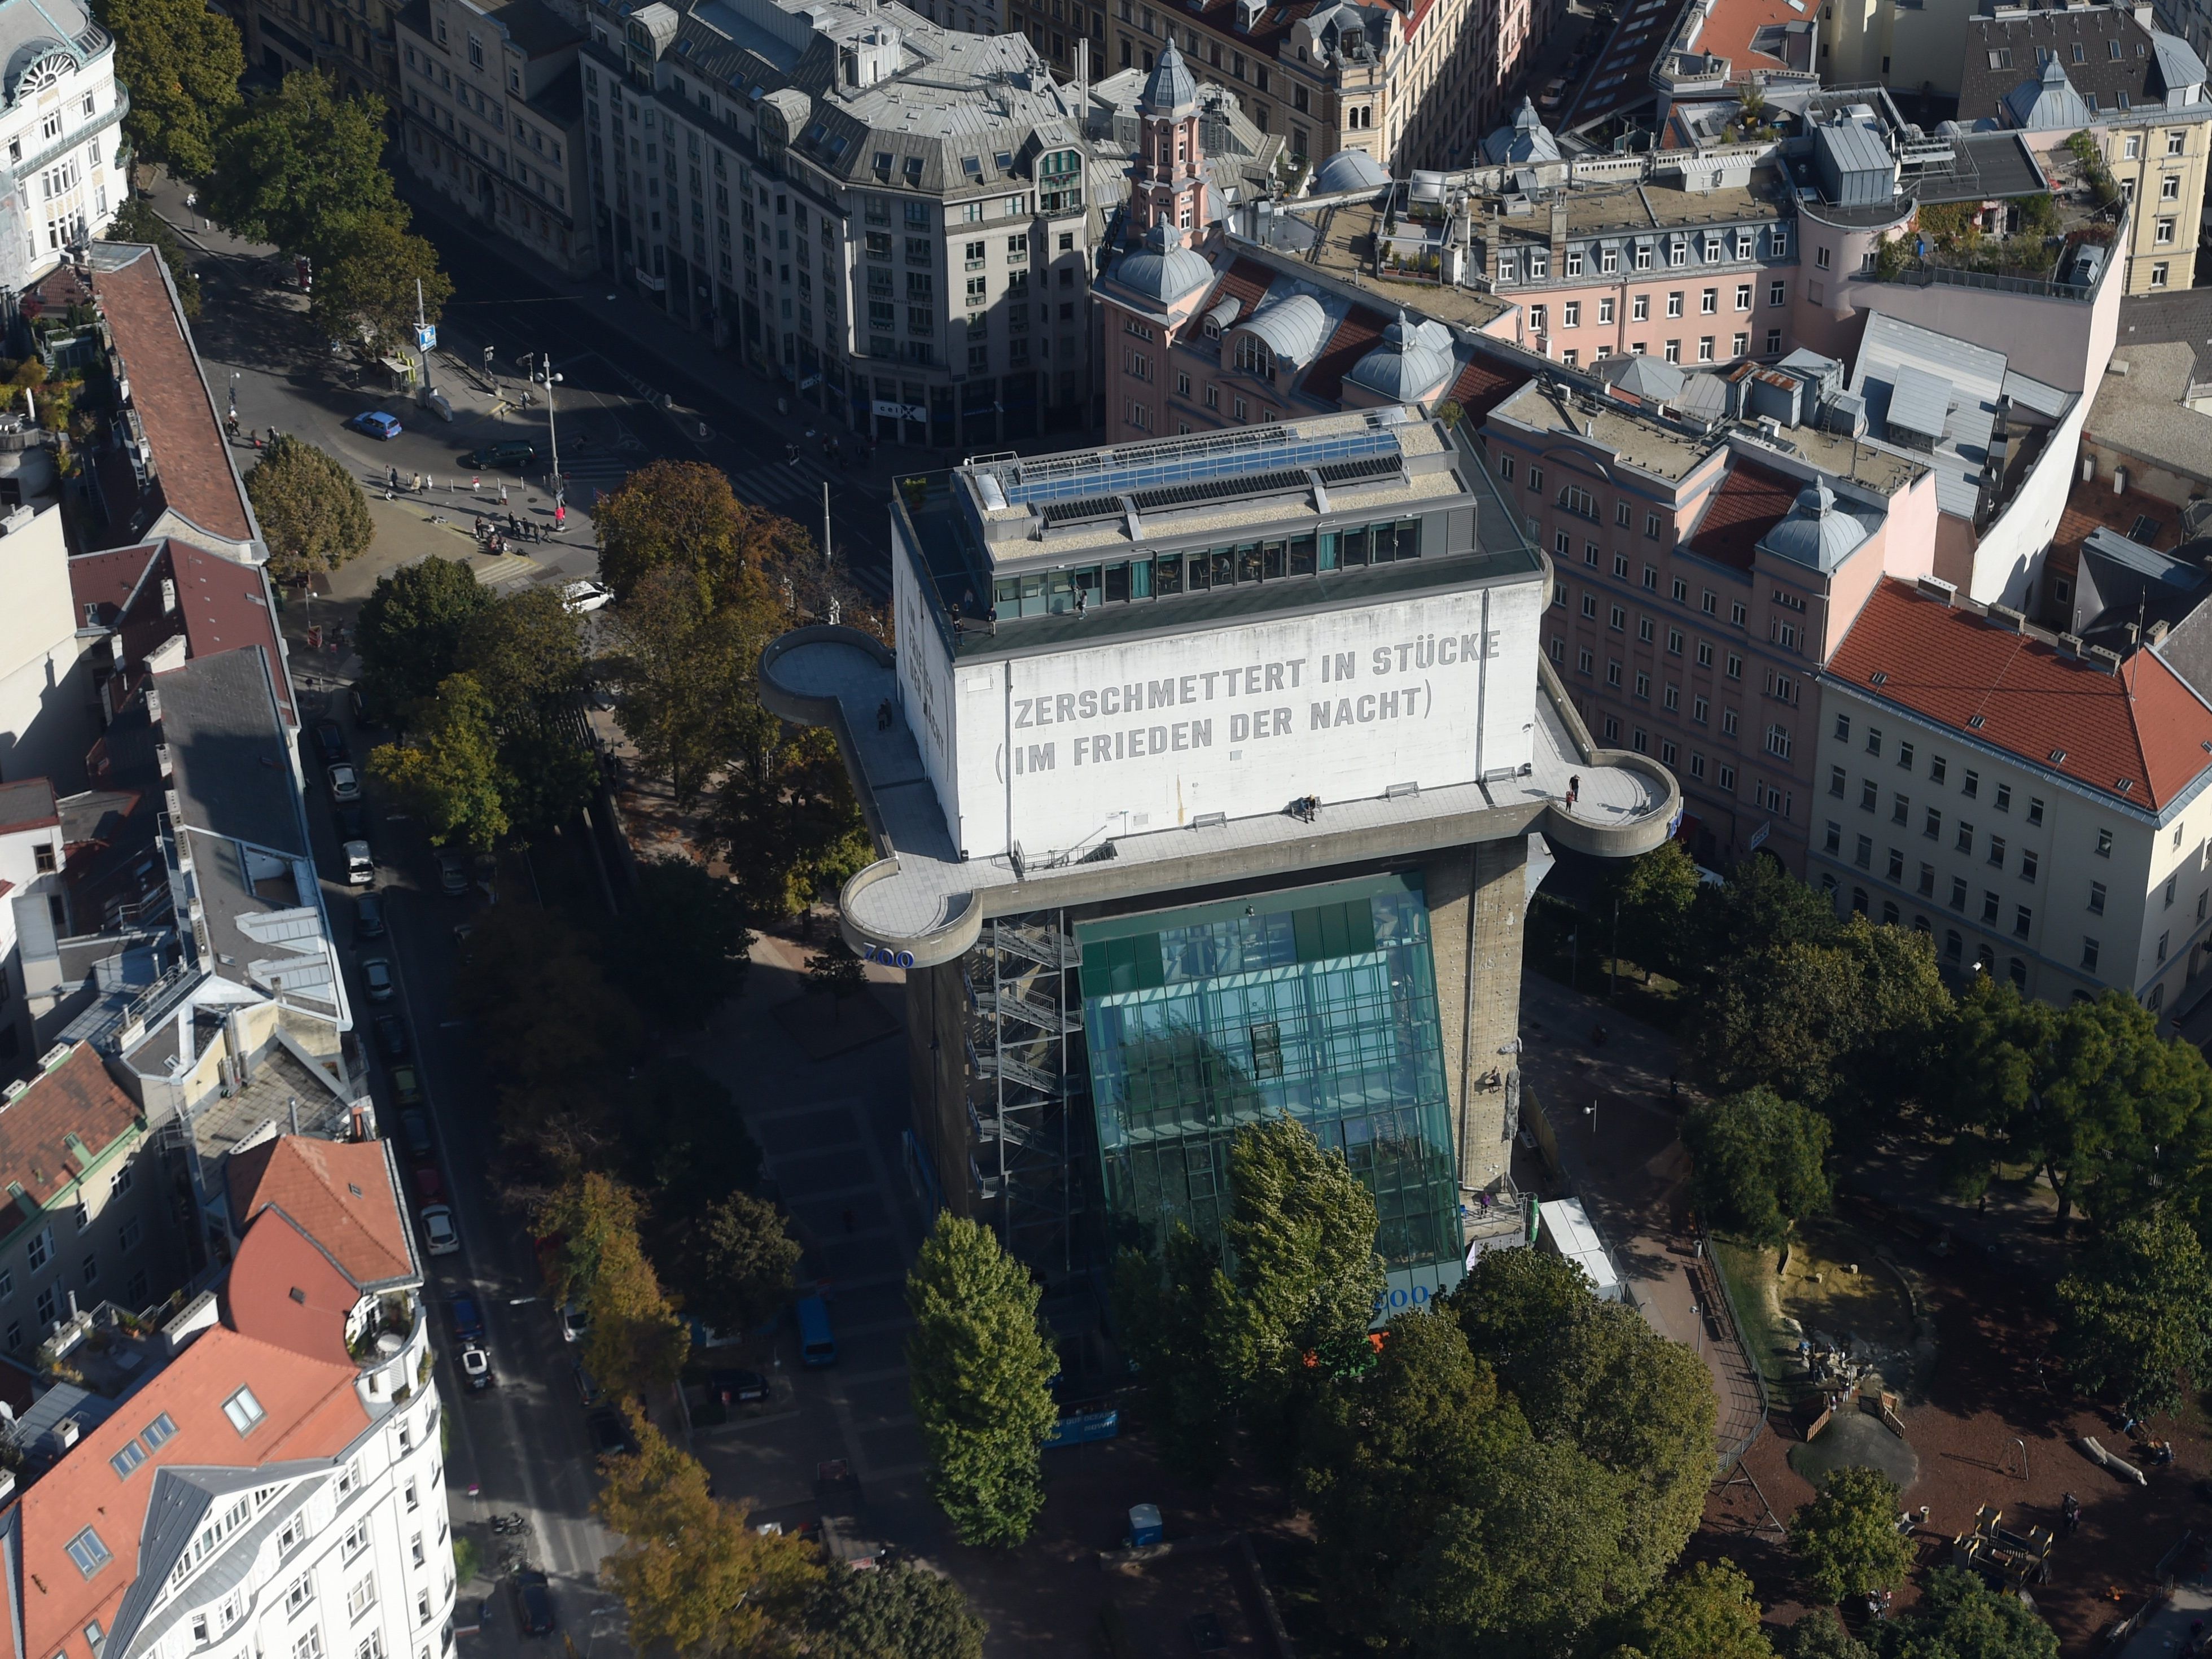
(507, 571)
(792, 488)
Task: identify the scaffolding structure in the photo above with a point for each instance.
(1028, 1082)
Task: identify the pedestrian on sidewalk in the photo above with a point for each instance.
(391, 478)
(502, 493)
(476, 484)
(417, 483)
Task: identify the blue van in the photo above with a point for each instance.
(816, 1345)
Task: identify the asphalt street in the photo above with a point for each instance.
(257, 346)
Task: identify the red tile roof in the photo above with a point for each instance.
(222, 604)
(343, 1192)
(1484, 384)
(1359, 333)
(309, 1409)
(1246, 281)
(1747, 504)
(2140, 735)
(286, 1290)
(192, 456)
(76, 1100)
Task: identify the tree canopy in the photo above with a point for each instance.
(635, 1343)
(2135, 1314)
(1960, 1617)
(313, 513)
(683, 514)
(1758, 1164)
(1846, 1540)
(694, 1578)
(372, 278)
(301, 167)
(1656, 893)
(680, 948)
(1171, 1313)
(182, 60)
(1707, 1613)
(733, 1265)
(684, 670)
(980, 1362)
(410, 628)
(897, 1612)
(448, 772)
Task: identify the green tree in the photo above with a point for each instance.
(1761, 907)
(410, 628)
(1820, 1634)
(682, 1143)
(1655, 894)
(182, 60)
(2113, 1114)
(1960, 1617)
(694, 1578)
(1301, 1230)
(1851, 1024)
(980, 1362)
(733, 1267)
(2135, 1314)
(684, 514)
(785, 822)
(1846, 1540)
(527, 649)
(1172, 1312)
(301, 167)
(898, 1611)
(1591, 1374)
(449, 773)
(369, 282)
(686, 673)
(137, 221)
(1386, 1457)
(1758, 1164)
(1707, 1613)
(313, 512)
(681, 949)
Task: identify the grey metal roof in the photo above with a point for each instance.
(2179, 66)
(2035, 395)
(1852, 147)
(1410, 365)
(1527, 139)
(1918, 401)
(1349, 169)
(1293, 327)
(1172, 90)
(65, 1400)
(1815, 531)
(226, 741)
(178, 1505)
(1161, 268)
(1652, 379)
(1977, 377)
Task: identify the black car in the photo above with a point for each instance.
(330, 742)
(533, 1602)
(735, 1387)
(610, 1434)
(353, 823)
(514, 453)
(368, 917)
(414, 1130)
(363, 715)
(392, 1035)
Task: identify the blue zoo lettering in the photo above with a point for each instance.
(887, 957)
(1396, 1300)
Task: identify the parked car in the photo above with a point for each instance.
(533, 1602)
(610, 1436)
(429, 1185)
(735, 1387)
(415, 1133)
(363, 715)
(465, 1317)
(344, 779)
(438, 1223)
(368, 917)
(360, 864)
(476, 1367)
(330, 742)
(572, 1323)
(352, 822)
(512, 453)
(376, 974)
(406, 1087)
(587, 596)
(587, 1390)
(392, 1035)
(453, 872)
(816, 1346)
(376, 423)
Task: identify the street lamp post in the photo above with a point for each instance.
(547, 378)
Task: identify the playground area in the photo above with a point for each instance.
(1827, 1313)
(1984, 1434)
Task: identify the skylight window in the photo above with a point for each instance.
(158, 1432)
(88, 1552)
(1004, 161)
(914, 171)
(243, 1410)
(128, 1459)
(884, 165)
(972, 166)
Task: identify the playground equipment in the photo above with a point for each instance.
(2008, 1560)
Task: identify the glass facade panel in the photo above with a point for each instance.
(1319, 1002)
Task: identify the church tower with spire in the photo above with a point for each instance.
(1168, 184)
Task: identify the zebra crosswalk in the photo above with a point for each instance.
(792, 487)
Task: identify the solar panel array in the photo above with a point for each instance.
(1136, 468)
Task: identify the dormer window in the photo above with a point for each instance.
(1539, 264)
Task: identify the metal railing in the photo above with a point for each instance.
(1730, 1456)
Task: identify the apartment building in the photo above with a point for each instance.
(895, 216)
(2035, 805)
(87, 1217)
(1409, 87)
(61, 121)
(353, 41)
(2138, 92)
(263, 1474)
(491, 118)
